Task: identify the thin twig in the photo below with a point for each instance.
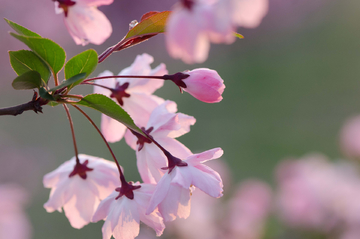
(35, 105)
(72, 133)
(122, 178)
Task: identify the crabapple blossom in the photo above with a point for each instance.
(172, 193)
(123, 212)
(319, 195)
(248, 210)
(134, 95)
(84, 21)
(195, 23)
(164, 125)
(202, 83)
(78, 188)
(13, 222)
(350, 137)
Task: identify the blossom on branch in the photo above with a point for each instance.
(84, 21)
(78, 188)
(122, 214)
(195, 23)
(202, 83)
(133, 95)
(164, 126)
(172, 193)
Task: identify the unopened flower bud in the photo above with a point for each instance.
(205, 85)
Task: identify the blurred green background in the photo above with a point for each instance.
(290, 85)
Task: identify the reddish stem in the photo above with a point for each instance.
(72, 133)
(122, 177)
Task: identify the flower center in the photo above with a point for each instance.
(119, 92)
(127, 190)
(65, 4)
(81, 170)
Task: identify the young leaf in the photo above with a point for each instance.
(26, 81)
(238, 35)
(107, 106)
(23, 61)
(21, 30)
(83, 62)
(73, 80)
(154, 23)
(151, 24)
(46, 49)
(45, 95)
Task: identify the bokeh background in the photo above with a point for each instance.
(290, 85)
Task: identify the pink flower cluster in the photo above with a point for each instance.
(195, 23)
(315, 194)
(90, 189)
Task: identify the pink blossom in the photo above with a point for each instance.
(206, 212)
(193, 24)
(122, 215)
(134, 95)
(172, 193)
(14, 223)
(79, 188)
(350, 137)
(84, 21)
(164, 125)
(202, 83)
(249, 209)
(319, 195)
(249, 13)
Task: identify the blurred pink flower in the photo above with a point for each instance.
(79, 192)
(13, 221)
(164, 125)
(134, 95)
(193, 24)
(318, 195)
(172, 193)
(122, 215)
(84, 21)
(350, 137)
(248, 210)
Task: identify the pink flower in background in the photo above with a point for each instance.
(134, 95)
(172, 193)
(14, 223)
(79, 189)
(350, 137)
(248, 210)
(249, 13)
(164, 125)
(122, 215)
(319, 195)
(84, 21)
(193, 24)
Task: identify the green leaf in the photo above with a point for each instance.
(23, 61)
(238, 35)
(21, 30)
(84, 62)
(107, 106)
(46, 49)
(70, 81)
(154, 24)
(26, 81)
(45, 95)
